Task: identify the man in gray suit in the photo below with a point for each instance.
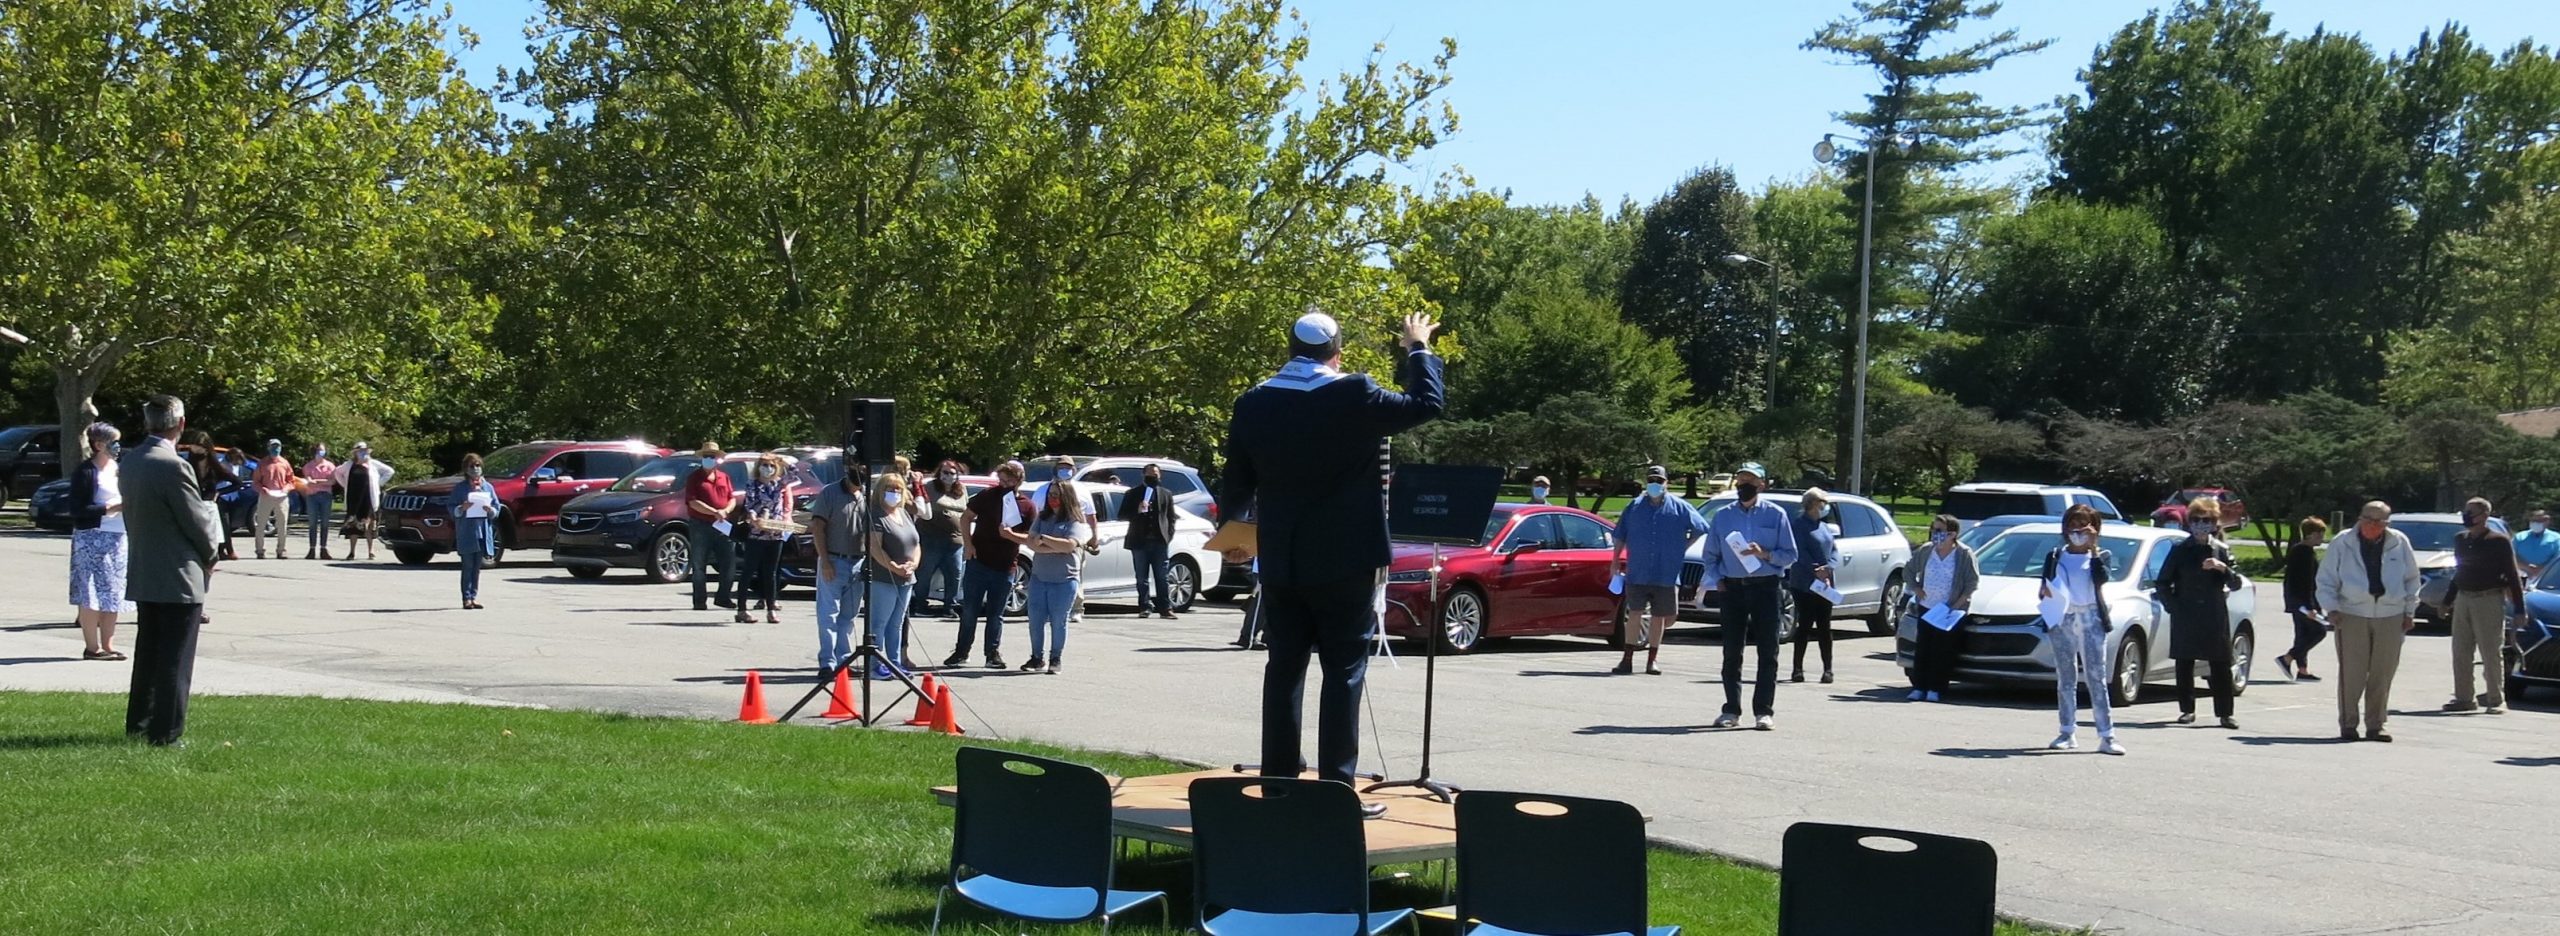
(170, 535)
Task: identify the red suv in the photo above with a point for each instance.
(533, 481)
(2173, 511)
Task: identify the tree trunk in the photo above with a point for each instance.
(74, 390)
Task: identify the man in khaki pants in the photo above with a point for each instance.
(2485, 585)
(2369, 585)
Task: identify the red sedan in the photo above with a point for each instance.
(1544, 571)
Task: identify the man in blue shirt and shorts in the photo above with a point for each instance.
(1653, 538)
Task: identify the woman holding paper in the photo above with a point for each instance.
(2195, 583)
(768, 502)
(2076, 625)
(1809, 579)
(474, 505)
(1947, 579)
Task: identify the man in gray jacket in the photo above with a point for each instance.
(2369, 586)
(170, 534)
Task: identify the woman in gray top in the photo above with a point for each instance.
(1057, 558)
(1947, 578)
(894, 556)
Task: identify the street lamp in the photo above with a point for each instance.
(1824, 152)
(1775, 275)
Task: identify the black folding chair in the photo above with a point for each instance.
(1840, 880)
(1037, 835)
(1281, 856)
(1536, 865)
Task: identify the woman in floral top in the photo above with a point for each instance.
(767, 498)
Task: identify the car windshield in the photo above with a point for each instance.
(1983, 505)
(1983, 533)
(2427, 535)
(657, 477)
(1492, 525)
(2021, 555)
(13, 437)
(511, 461)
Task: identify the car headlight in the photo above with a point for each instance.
(1410, 575)
(624, 516)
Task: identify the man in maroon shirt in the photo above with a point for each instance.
(708, 501)
(998, 522)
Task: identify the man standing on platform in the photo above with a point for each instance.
(1750, 545)
(1302, 452)
(170, 536)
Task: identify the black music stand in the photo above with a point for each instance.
(1443, 505)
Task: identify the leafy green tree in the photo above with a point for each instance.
(1548, 344)
(1906, 44)
(1472, 250)
(2499, 343)
(1679, 288)
(267, 191)
(1936, 441)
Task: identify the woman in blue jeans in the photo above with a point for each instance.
(474, 504)
(1057, 555)
(894, 557)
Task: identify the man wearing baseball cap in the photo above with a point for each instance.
(1752, 546)
(1653, 538)
(1302, 454)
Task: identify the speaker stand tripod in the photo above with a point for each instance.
(869, 657)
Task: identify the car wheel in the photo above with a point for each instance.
(670, 558)
(1462, 620)
(1786, 615)
(1883, 623)
(2124, 686)
(1182, 581)
(411, 555)
(2243, 644)
(585, 572)
(1017, 602)
(2515, 684)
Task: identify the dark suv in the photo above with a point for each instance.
(533, 481)
(30, 457)
(641, 523)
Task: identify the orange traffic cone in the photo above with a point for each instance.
(925, 708)
(945, 719)
(840, 706)
(751, 708)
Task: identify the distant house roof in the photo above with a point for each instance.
(2541, 423)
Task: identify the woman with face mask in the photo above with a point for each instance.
(2196, 581)
(363, 478)
(2079, 570)
(895, 550)
(1947, 579)
(1057, 560)
(474, 506)
(768, 504)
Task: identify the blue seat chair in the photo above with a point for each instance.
(1839, 880)
(1031, 838)
(1282, 857)
(1536, 865)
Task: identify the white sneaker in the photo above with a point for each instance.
(2062, 743)
(1764, 723)
(1727, 721)
(2109, 746)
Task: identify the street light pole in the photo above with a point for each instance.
(1866, 288)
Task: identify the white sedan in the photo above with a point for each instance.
(1111, 576)
(2000, 639)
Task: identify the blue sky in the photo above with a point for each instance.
(1623, 97)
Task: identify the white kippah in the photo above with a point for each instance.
(1315, 328)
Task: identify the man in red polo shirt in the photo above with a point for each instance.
(708, 502)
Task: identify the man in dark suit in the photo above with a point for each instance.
(1302, 453)
(170, 533)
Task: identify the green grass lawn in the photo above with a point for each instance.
(319, 816)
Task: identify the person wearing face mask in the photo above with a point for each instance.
(1539, 488)
(998, 520)
(1751, 546)
(2195, 584)
(1817, 550)
(2079, 570)
(941, 535)
(363, 478)
(319, 496)
(474, 505)
(767, 499)
(275, 500)
(2485, 586)
(1057, 559)
(837, 521)
(2302, 598)
(1654, 534)
(1947, 580)
(894, 553)
(1149, 510)
(1092, 540)
(2537, 545)
(2369, 585)
(709, 499)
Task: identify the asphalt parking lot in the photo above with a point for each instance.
(2271, 829)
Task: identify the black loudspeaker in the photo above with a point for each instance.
(871, 434)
